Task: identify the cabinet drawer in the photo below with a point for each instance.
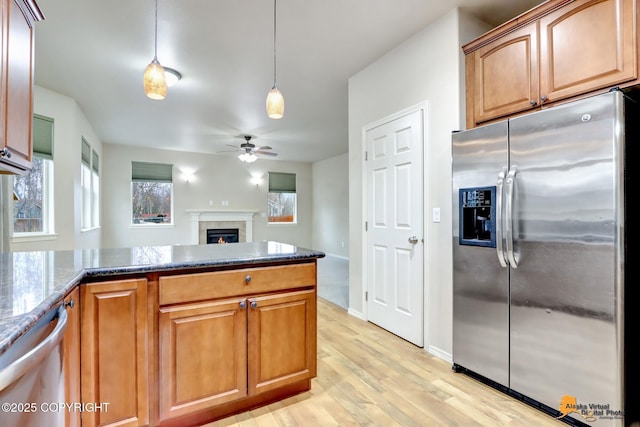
(221, 284)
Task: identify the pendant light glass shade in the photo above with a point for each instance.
(275, 100)
(155, 84)
(275, 104)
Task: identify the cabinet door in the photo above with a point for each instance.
(203, 356)
(17, 85)
(505, 75)
(587, 45)
(282, 340)
(71, 357)
(114, 356)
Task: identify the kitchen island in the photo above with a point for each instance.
(172, 335)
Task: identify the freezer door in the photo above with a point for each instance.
(480, 283)
(565, 299)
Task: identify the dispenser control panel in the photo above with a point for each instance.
(477, 216)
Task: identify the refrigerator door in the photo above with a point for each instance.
(565, 298)
(480, 283)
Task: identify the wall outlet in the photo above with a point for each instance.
(210, 202)
(436, 215)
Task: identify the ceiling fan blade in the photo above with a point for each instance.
(266, 147)
(266, 153)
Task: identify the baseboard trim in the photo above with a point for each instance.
(446, 356)
(357, 314)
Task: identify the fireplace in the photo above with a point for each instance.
(222, 235)
(203, 220)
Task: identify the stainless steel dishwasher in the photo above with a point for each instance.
(31, 377)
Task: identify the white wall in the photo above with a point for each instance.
(331, 205)
(428, 67)
(69, 126)
(212, 178)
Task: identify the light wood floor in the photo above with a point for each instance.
(369, 377)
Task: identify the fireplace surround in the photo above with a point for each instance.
(205, 219)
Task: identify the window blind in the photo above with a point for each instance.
(280, 182)
(154, 172)
(43, 137)
(95, 163)
(86, 153)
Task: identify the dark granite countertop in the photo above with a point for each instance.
(31, 283)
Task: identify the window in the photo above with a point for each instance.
(151, 193)
(282, 198)
(33, 192)
(90, 183)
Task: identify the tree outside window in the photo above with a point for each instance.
(30, 205)
(33, 191)
(151, 193)
(282, 198)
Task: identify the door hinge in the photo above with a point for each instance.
(366, 226)
(366, 156)
(366, 296)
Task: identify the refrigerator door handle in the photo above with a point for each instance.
(508, 223)
(499, 224)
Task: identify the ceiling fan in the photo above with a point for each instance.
(249, 150)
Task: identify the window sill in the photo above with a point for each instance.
(33, 237)
(151, 225)
(84, 230)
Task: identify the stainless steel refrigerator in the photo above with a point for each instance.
(539, 249)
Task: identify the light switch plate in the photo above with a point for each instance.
(436, 215)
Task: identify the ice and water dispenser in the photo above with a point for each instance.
(477, 216)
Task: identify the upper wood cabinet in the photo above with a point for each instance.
(16, 84)
(560, 50)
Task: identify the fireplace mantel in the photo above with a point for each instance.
(221, 216)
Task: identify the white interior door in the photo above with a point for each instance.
(395, 245)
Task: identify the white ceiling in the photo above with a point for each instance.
(95, 51)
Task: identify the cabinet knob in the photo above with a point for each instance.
(533, 102)
(247, 278)
(69, 304)
(254, 304)
(243, 304)
(543, 98)
(5, 153)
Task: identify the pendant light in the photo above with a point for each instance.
(275, 100)
(155, 84)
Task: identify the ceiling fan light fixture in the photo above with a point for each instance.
(248, 157)
(275, 100)
(275, 104)
(155, 83)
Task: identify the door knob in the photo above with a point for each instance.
(413, 240)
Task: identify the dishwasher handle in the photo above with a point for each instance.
(33, 357)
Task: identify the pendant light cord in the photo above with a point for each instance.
(155, 35)
(274, 42)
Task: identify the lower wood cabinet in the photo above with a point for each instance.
(114, 359)
(71, 357)
(223, 351)
(186, 349)
(203, 356)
